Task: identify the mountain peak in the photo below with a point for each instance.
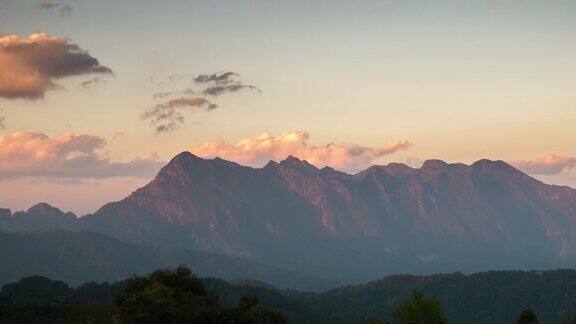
(185, 156)
(291, 159)
(182, 160)
(294, 162)
(499, 166)
(434, 164)
(399, 169)
(490, 163)
(44, 208)
(271, 164)
(5, 213)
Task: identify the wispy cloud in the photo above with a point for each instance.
(92, 82)
(257, 151)
(218, 89)
(217, 78)
(117, 136)
(31, 65)
(188, 92)
(168, 116)
(220, 83)
(161, 95)
(63, 9)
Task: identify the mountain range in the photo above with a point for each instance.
(350, 227)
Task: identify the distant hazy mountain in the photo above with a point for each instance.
(79, 257)
(38, 218)
(386, 219)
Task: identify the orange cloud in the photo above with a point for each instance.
(259, 150)
(32, 154)
(546, 165)
(30, 65)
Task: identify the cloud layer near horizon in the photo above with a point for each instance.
(257, 151)
(31, 65)
(33, 154)
(546, 165)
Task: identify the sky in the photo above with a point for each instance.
(95, 96)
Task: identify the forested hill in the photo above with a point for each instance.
(489, 297)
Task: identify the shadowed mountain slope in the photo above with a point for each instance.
(79, 257)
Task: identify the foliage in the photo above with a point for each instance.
(37, 290)
(250, 311)
(495, 297)
(527, 317)
(165, 296)
(419, 310)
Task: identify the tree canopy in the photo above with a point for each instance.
(528, 316)
(164, 296)
(417, 309)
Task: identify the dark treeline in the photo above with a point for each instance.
(494, 297)
(165, 296)
(179, 297)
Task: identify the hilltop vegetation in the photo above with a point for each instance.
(165, 296)
(490, 297)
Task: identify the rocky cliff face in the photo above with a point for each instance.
(441, 217)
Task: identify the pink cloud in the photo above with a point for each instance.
(546, 165)
(31, 65)
(33, 154)
(259, 150)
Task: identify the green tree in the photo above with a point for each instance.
(528, 316)
(249, 311)
(167, 296)
(417, 309)
(177, 296)
(36, 289)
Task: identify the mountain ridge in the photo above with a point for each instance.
(295, 209)
(385, 219)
